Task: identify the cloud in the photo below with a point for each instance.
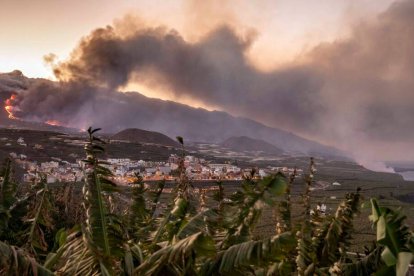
(369, 75)
(213, 70)
(352, 92)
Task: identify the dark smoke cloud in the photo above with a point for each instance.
(13, 81)
(346, 92)
(213, 70)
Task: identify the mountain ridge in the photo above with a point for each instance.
(134, 110)
(144, 136)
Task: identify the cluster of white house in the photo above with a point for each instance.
(124, 169)
(196, 169)
(56, 170)
(20, 141)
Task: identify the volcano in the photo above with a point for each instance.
(120, 111)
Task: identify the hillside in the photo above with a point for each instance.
(144, 136)
(134, 110)
(16, 82)
(244, 143)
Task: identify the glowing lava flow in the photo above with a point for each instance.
(53, 123)
(9, 107)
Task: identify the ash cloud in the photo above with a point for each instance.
(213, 70)
(351, 92)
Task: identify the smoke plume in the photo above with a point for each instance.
(356, 93)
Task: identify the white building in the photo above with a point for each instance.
(150, 170)
(262, 173)
(217, 167)
(164, 169)
(49, 165)
(173, 166)
(321, 208)
(232, 168)
(51, 178)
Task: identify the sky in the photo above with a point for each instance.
(30, 29)
(337, 71)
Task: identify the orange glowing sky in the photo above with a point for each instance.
(30, 29)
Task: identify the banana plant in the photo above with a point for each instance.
(181, 258)
(242, 253)
(251, 256)
(39, 219)
(155, 196)
(332, 238)
(15, 261)
(395, 237)
(323, 240)
(7, 196)
(305, 259)
(391, 253)
(100, 245)
(369, 264)
(284, 221)
(181, 209)
(139, 214)
(216, 239)
(250, 203)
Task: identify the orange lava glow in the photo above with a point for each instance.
(53, 123)
(9, 107)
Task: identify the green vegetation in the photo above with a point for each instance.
(127, 232)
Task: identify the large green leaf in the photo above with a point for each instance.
(367, 265)
(38, 219)
(394, 235)
(7, 196)
(251, 253)
(179, 258)
(404, 260)
(99, 247)
(15, 261)
(201, 222)
(8, 186)
(332, 237)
